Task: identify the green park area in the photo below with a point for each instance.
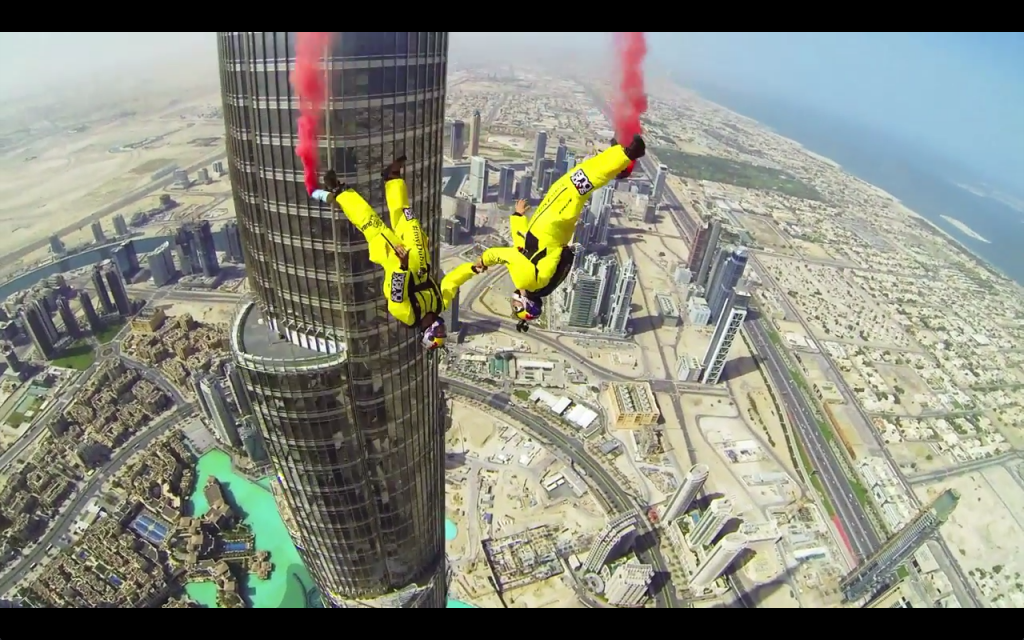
(739, 174)
(109, 332)
(78, 356)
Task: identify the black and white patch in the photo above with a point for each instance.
(581, 182)
(398, 286)
(408, 213)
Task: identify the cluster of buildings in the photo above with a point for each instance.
(191, 255)
(610, 570)
(176, 346)
(32, 496)
(111, 407)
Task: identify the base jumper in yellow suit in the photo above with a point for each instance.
(540, 259)
(414, 297)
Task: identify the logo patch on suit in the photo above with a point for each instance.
(408, 213)
(398, 286)
(581, 182)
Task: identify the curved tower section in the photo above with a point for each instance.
(345, 398)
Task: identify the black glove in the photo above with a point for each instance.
(331, 182)
(394, 170)
(636, 149)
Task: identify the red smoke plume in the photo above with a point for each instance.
(630, 100)
(308, 82)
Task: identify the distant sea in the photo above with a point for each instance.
(921, 182)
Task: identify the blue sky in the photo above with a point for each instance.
(961, 94)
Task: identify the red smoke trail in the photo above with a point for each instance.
(308, 82)
(630, 100)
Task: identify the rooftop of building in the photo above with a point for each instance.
(634, 397)
(253, 336)
(666, 305)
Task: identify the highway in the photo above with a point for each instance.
(619, 499)
(62, 524)
(837, 486)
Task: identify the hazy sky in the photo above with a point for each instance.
(960, 94)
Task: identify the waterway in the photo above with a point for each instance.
(290, 585)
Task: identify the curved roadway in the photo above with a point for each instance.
(618, 498)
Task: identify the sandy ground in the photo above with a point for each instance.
(986, 531)
(204, 312)
(90, 175)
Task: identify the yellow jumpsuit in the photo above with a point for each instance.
(538, 242)
(411, 293)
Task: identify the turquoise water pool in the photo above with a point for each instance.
(290, 585)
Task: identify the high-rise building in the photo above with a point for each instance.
(346, 398)
(10, 357)
(710, 523)
(478, 178)
(524, 190)
(186, 248)
(726, 278)
(161, 264)
(622, 299)
(465, 211)
(875, 572)
(659, 183)
(506, 185)
(705, 247)
(115, 285)
(457, 140)
(218, 168)
(56, 246)
(583, 300)
(181, 179)
(687, 493)
(120, 226)
(725, 333)
(237, 390)
(474, 134)
(203, 176)
(561, 152)
(67, 316)
(233, 241)
(600, 215)
(718, 560)
(97, 232)
(614, 539)
(605, 269)
(91, 317)
(538, 153)
(101, 291)
(629, 585)
(215, 406)
(252, 442)
(35, 318)
(203, 236)
(127, 259)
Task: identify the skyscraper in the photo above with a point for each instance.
(346, 399)
(877, 569)
(97, 232)
(161, 264)
(35, 318)
(127, 259)
(561, 152)
(524, 190)
(726, 328)
(478, 178)
(630, 584)
(206, 249)
(705, 245)
(57, 247)
(233, 240)
(115, 285)
(538, 152)
(474, 134)
(726, 278)
(622, 299)
(710, 523)
(584, 300)
(659, 183)
(67, 316)
(215, 406)
(120, 226)
(506, 182)
(465, 211)
(93, 318)
(613, 539)
(600, 214)
(686, 494)
(718, 560)
(457, 141)
(101, 290)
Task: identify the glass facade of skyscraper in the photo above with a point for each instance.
(347, 401)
